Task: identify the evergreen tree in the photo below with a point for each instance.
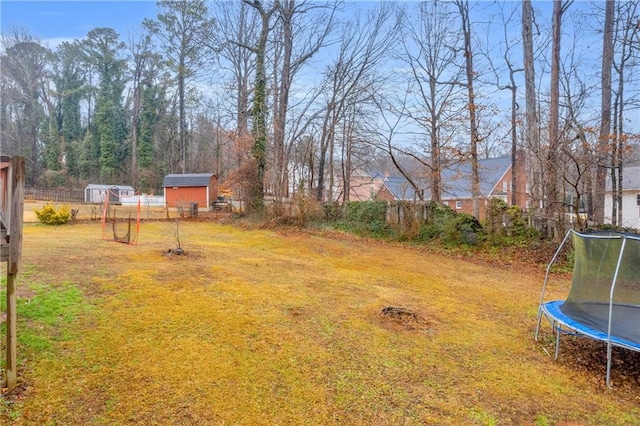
(70, 82)
(148, 120)
(110, 126)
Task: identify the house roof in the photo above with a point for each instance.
(630, 169)
(402, 189)
(631, 178)
(456, 180)
(190, 179)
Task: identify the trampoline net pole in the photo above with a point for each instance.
(613, 287)
(546, 279)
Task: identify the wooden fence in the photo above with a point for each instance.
(55, 195)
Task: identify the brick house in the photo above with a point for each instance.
(495, 182)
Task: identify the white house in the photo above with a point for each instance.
(630, 191)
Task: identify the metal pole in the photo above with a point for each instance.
(613, 287)
(546, 278)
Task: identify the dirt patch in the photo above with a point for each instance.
(397, 318)
(183, 254)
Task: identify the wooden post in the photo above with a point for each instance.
(17, 207)
(12, 319)
(15, 190)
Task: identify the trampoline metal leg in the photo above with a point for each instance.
(538, 326)
(609, 366)
(557, 342)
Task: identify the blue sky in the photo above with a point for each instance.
(55, 21)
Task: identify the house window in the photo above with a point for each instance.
(638, 199)
(505, 186)
(458, 204)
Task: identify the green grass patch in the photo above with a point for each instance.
(52, 306)
(46, 316)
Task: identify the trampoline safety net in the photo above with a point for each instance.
(594, 278)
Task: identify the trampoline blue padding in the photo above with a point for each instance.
(553, 311)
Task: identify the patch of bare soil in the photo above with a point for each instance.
(183, 254)
(397, 318)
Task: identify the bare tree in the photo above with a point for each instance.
(365, 43)
(390, 112)
(237, 23)
(437, 104)
(303, 31)
(555, 201)
(532, 134)
(507, 18)
(626, 27)
(576, 156)
(605, 110)
(463, 8)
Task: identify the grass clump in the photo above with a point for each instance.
(50, 216)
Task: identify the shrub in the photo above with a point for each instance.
(332, 211)
(439, 214)
(410, 217)
(494, 222)
(519, 225)
(438, 219)
(366, 218)
(50, 216)
(463, 229)
(365, 211)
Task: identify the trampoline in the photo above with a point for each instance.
(604, 300)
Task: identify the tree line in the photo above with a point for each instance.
(284, 97)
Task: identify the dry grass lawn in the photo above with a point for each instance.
(262, 327)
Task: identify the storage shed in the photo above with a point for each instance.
(98, 193)
(180, 190)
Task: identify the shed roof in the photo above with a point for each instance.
(120, 187)
(189, 179)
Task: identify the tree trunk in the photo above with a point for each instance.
(259, 113)
(515, 168)
(436, 156)
(181, 112)
(605, 111)
(532, 135)
(553, 207)
(473, 126)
